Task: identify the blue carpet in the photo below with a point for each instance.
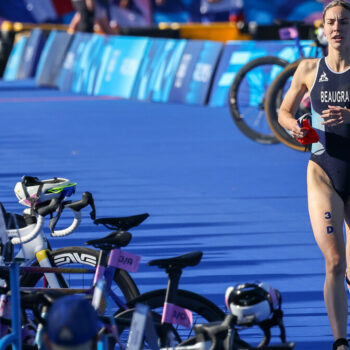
(205, 185)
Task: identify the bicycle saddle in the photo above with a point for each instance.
(116, 239)
(182, 261)
(122, 223)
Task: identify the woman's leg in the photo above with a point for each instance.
(347, 227)
(326, 209)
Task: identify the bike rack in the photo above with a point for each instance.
(14, 338)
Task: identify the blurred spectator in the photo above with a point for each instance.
(92, 14)
(72, 324)
(131, 13)
(221, 10)
(83, 20)
(172, 10)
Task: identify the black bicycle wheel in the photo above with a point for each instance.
(274, 98)
(80, 257)
(247, 97)
(203, 311)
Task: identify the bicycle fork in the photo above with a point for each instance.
(54, 280)
(108, 262)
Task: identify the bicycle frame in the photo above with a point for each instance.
(36, 249)
(117, 259)
(32, 239)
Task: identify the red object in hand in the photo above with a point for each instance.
(311, 135)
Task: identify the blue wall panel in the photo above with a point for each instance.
(52, 57)
(14, 61)
(195, 72)
(238, 53)
(86, 69)
(71, 68)
(143, 82)
(121, 58)
(31, 54)
(157, 73)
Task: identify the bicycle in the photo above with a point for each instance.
(248, 91)
(189, 308)
(166, 329)
(35, 250)
(173, 310)
(111, 261)
(25, 332)
(223, 336)
(250, 304)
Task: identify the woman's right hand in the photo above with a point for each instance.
(298, 132)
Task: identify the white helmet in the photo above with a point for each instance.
(31, 191)
(252, 303)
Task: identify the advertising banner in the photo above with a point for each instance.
(14, 61)
(52, 57)
(86, 70)
(31, 54)
(121, 58)
(195, 72)
(71, 67)
(238, 53)
(156, 75)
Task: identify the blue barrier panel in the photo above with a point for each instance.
(31, 54)
(142, 86)
(236, 54)
(85, 72)
(157, 73)
(13, 62)
(195, 72)
(52, 57)
(121, 59)
(71, 64)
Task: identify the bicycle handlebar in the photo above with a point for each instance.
(42, 212)
(57, 205)
(32, 234)
(64, 232)
(86, 200)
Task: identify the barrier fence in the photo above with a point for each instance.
(143, 68)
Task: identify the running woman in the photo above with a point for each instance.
(328, 173)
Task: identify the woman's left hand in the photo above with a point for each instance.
(335, 115)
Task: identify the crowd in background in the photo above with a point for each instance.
(136, 13)
(109, 14)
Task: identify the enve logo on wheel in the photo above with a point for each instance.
(70, 258)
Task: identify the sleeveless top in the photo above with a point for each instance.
(332, 152)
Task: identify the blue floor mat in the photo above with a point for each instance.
(205, 185)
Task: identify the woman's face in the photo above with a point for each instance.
(337, 27)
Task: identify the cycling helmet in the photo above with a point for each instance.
(250, 302)
(256, 304)
(31, 191)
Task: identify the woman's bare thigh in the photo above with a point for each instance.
(326, 210)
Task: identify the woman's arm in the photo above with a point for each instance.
(291, 102)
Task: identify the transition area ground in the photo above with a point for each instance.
(205, 185)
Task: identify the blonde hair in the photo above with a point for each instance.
(344, 4)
